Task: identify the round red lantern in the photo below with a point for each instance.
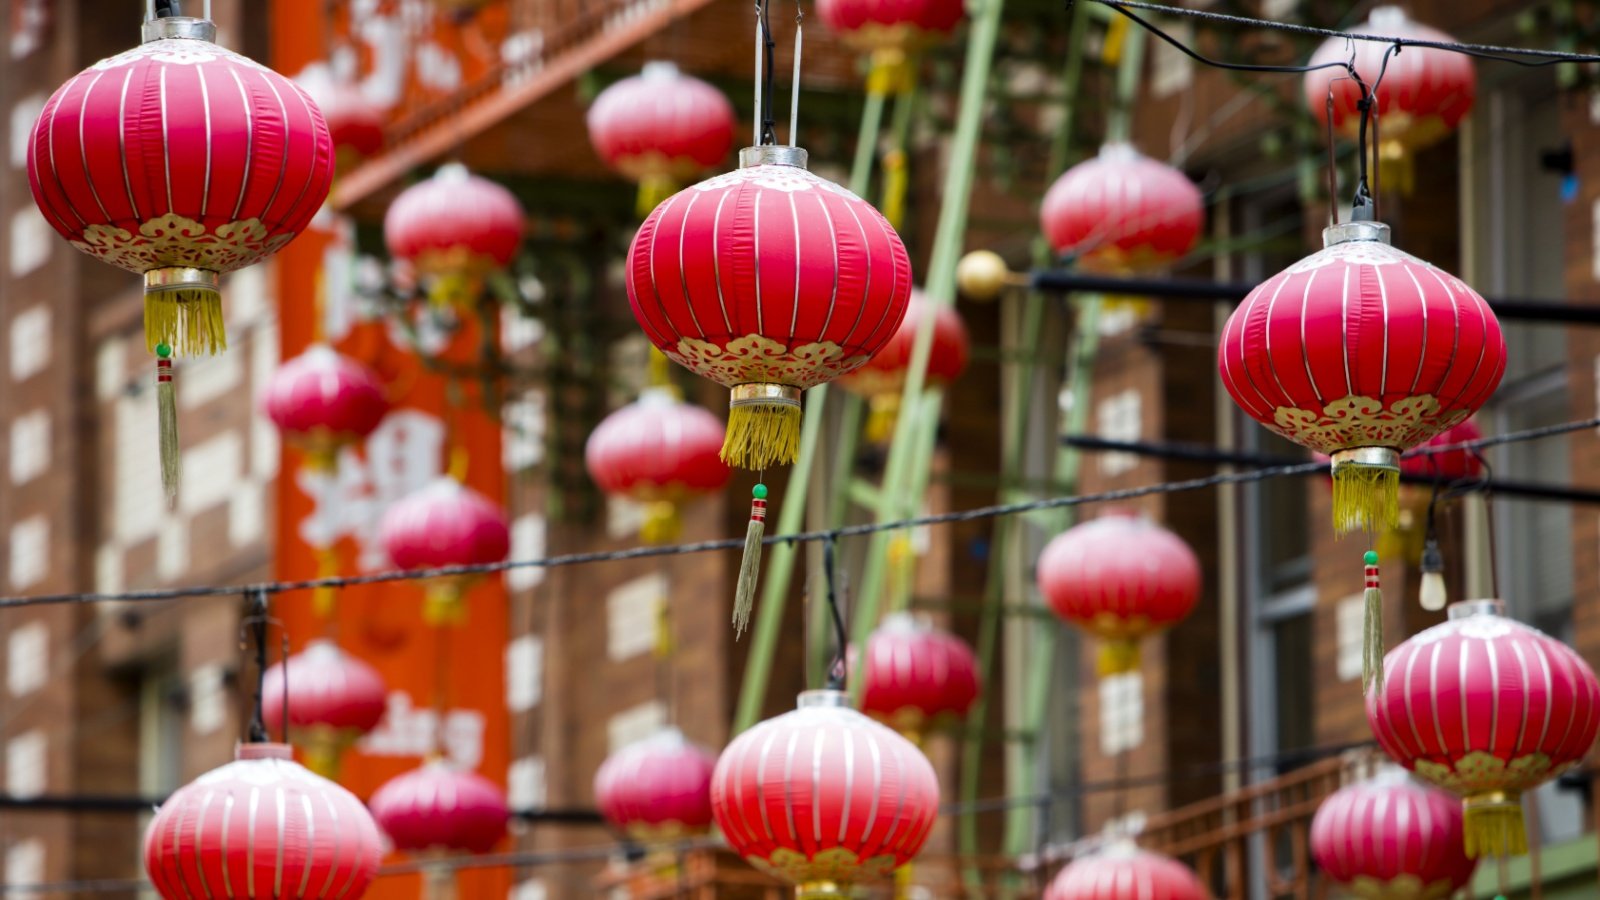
(261, 826)
(329, 698)
(769, 280)
(354, 122)
(661, 128)
(893, 33)
(914, 674)
(883, 378)
(659, 451)
(1122, 212)
(437, 807)
(323, 401)
(1361, 351)
(657, 789)
(1391, 838)
(180, 160)
(1120, 578)
(445, 524)
(859, 807)
(1424, 95)
(1125, 872)
(1449, 465)
(1486, 708)
(454, 230)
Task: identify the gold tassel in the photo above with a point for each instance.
(444, 602)
(763, 427)
(322, 597)
(664, 642)
(662, 523)
(820, 890)
(324, 750)
(892, 72)
(1117, 656)
(653, 191)
(1372, 629)
(1366, 489)
(1493, 825)
(455, 290)
(167, 425)
(744, 595)
(896, 179)
(902, 882)
(883, 410)
(183, 309)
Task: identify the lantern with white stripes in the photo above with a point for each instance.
(860, 807)
(261, 826)
(1486, 708)
(1391, 838)
(657, 789)
(1122, 212)
(1122, 871)
(661, 452)
(325, 699)
(914, 675)
(1121, 578)
(1361, 351)
(769, 280)
(661, 128)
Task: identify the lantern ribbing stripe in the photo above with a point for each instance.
(966, 515)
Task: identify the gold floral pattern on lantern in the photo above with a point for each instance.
(172, 241)
(1365, 422)
(755, 359)
(1479, 771)
(836, 864)
(1116, 628)
(1405, 887)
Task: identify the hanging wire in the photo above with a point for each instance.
(255, 625)
(765, 50)
(946, 518)
(838, 674)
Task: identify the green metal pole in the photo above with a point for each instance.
(780, 561)
(939, 287)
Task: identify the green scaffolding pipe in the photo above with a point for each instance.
(780, 559)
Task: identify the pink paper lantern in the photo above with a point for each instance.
(661, 128)
(657, 789)
(1486, 708)
(323, 401)
(882, 380)
(1392, 838)
(437, 807)
(659, 451)
(455, 230)
(445, 524)
(331, 699)
(261, 826)
(1122, 212)
(1121, 578)
(1124, 872)
(914, 674)
(860, 806)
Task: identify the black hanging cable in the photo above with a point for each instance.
(838, 676)
(256, 624)
(769, 134)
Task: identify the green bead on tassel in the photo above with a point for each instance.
(167, 424)
(744, 596)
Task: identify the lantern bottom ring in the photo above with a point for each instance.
(183, 309)
(763, 426)
(1366, 489)
(819, 890)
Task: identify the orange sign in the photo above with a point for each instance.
(446, 686)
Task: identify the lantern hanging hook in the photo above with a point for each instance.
(253, 635)
(838, 672)
(794, 88)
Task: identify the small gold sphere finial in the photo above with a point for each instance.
(982, 275)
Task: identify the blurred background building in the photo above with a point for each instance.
(1220, 746)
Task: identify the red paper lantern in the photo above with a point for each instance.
(659, 451)
(354, 122)
(445, 524)
(330, 698)
(661, 128)
(915, 674)
(1122, 212)
(1361, 351)
(1124, 872)
(1391, 839)
(893, 33)
(455, 230)
(324, 401)
(1424, 95)
(657, 789)
(180, 160)
(882, 380)
(261, 826)
(858, 805)
(1486, 708)
(1121, 578)
(1450, 465)
(769, 280)
(436, 807)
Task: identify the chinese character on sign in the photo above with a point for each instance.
(403, 455)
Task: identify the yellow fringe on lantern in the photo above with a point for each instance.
(324, 750)
(763, 427)
(457, 290)
(883, 411)
(1117, 657)
(820, 890)
(902, 882)
(1365, 497)
(323, 596)
(444, 603)
(1493, 825)
(662, 523)
(188, 319)
(892, 73)
(653, 191)
(896, 179)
